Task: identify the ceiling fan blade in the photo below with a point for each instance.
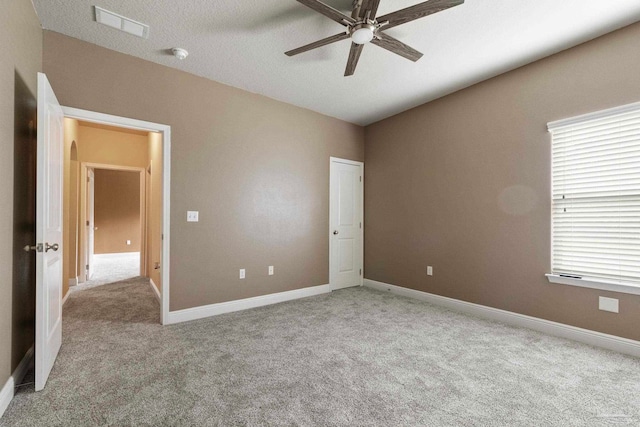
(323, 42)
(371, 6)
(328, 11)
(418, 11)
(354, 56)
(396, 46)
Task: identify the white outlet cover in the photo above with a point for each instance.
(608, 304)
(242, 273)
(192, 216)
(271, 270)
(429, 271)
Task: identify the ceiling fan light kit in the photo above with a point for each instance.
(364, 27)
(363, 33)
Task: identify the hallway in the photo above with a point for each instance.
(110, 268)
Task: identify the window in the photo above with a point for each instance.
(596, 200)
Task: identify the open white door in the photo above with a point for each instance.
(91, 223)
(345, 217)
(48, 231)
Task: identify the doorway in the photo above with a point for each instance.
(113, 214)
(114, 243)
(346, 227)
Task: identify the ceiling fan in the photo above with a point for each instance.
(363, 27)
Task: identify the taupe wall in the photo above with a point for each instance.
(21, 60)
(117, 211)
(255, 168)
(463, 184)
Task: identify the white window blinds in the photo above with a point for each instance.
(596, 196)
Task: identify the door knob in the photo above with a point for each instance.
(53, 247)
(335, 231)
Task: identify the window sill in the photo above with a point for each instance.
(594, 284)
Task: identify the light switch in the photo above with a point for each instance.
(242, 273)
(271, 270)
(192, 216)
(128, 242)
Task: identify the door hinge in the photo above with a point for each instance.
(360, 225)
(361, 272)
(87, 223)
(86, 267)
(360, 179)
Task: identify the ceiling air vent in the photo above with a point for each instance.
(121, 23)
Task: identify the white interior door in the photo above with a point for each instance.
(91, 225)
(346, 216)
(48, 231)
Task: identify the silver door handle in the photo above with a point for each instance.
(335, 231)
(53, 247)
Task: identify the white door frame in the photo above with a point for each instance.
(88, 219)
(165, 130)
(84, 171)
(331, 178)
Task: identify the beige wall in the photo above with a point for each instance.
(463, 184)
(21, 60)
(154, 208)
(255, 168)
(117, 211)
(70, 205)
(112, 146)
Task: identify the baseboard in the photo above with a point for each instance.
(6, 394)
(244, 304)
(116, 254)
(586, 336)
(66, 297)
(8, 391)
(73, 281)
(156, 292)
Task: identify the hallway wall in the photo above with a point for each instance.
(154, 209)
(117, 211)
(70, 197)
(95, 144)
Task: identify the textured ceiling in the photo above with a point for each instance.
(242, 44)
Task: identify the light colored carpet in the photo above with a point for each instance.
(353, 357)
(109, 268)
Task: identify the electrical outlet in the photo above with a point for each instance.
(242, 273)
(192, 216)
(608, 304)
(429, 271)
(128, 242)
(271, 270)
